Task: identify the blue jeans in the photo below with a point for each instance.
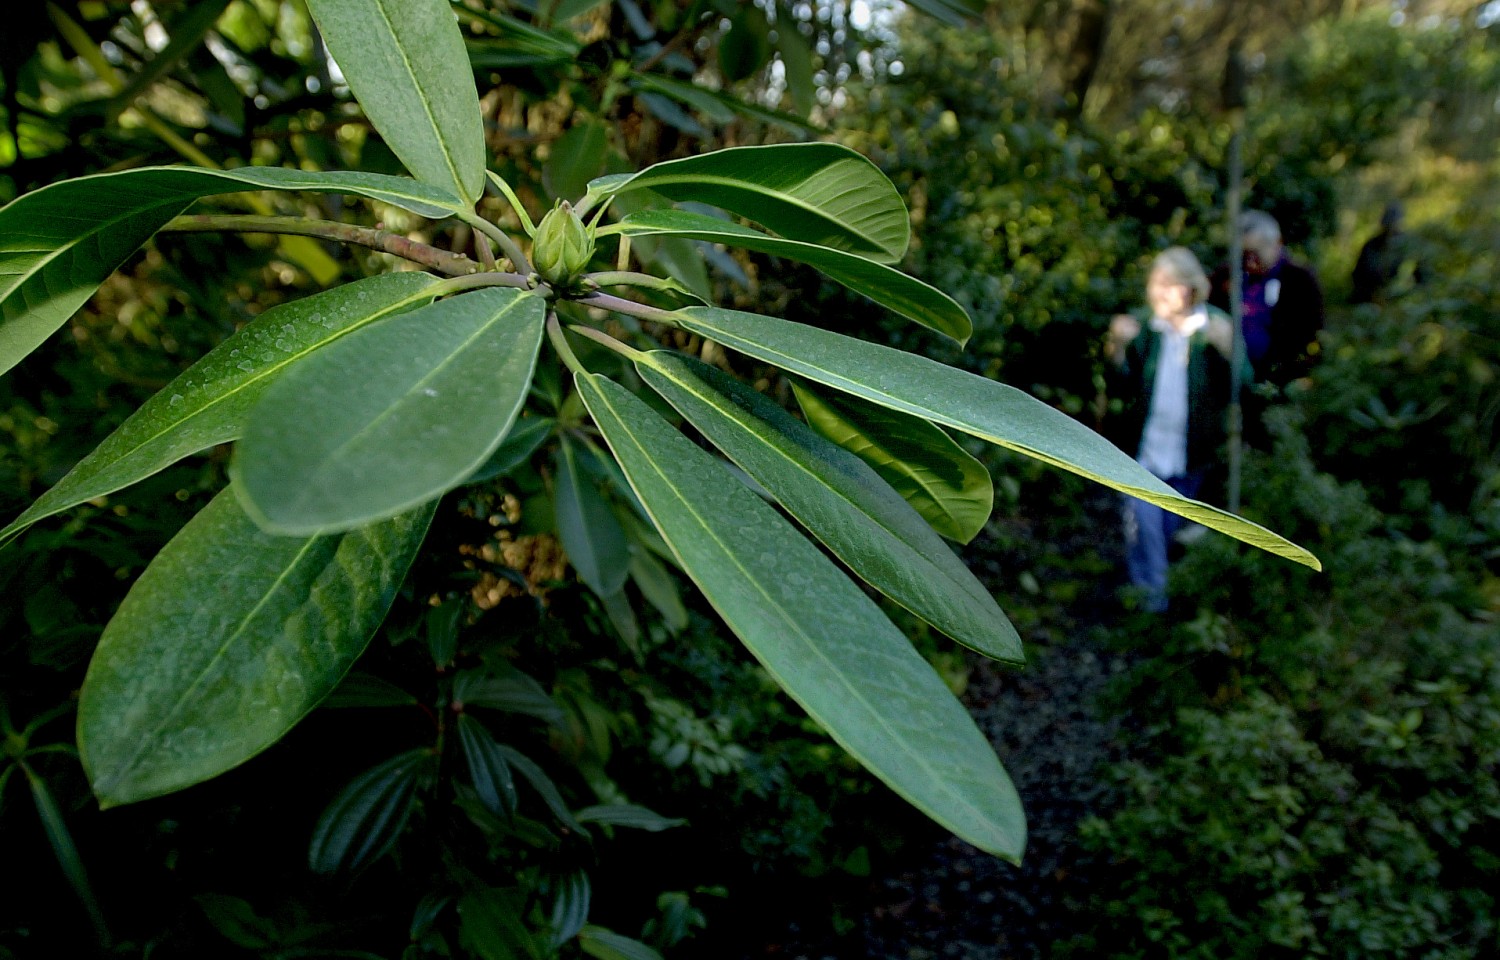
(1148, 533)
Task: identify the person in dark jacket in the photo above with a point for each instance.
(1389, 264)
(1171, 365)
(1283, 304)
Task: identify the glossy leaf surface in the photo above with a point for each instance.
(209, 403)
(940, 479)
(840, 499)
(818, 193)
(890, 288)
(406, 63)
(488, 769)
(975, 405)
(226, 641)
(590, 534)
(366, 817)
(390, 416)
(819, 635)
(57, 244)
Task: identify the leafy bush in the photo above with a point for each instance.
(1319, 773)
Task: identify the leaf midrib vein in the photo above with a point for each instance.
(458, 181)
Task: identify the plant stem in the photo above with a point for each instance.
(599, 336)
(507, 245)
(435, 259)
(475, 281)
(628, 307)
(560, 344)
(486, 252)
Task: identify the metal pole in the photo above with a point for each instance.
(1234, 100)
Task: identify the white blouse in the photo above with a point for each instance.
(1164, 441)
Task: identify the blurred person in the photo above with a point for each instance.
(1170, 364)
(1282, 301)
(1389, 263)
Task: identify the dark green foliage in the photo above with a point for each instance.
(1320, 770)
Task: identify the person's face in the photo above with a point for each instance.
(1260, 259)
(1167, 297)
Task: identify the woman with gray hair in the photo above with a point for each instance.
(1170, 364)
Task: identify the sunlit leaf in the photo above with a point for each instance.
(819, 635)
(975, 405)
(406, 63)
(840, 499)
(947, 486)
(819, 193)
(890, 288)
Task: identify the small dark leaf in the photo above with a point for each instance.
(361, 689)
(524, 439)
(365, 819)
(544, 786)
(628, 815)
(487, 767)
(570, 911)
(443, 622)
(506, 688)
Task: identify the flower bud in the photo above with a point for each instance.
(562, 247)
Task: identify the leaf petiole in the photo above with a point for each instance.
(560, 344)
(599, 336)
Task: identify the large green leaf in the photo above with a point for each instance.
(890, 288)
(840, 499)
(819, 635)
(406, 63)
(947, 486)
(390, 416)
(975, 405)
(592, 537)
(226, 641)
(57, 244)
(819, 193)
(208, 404)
